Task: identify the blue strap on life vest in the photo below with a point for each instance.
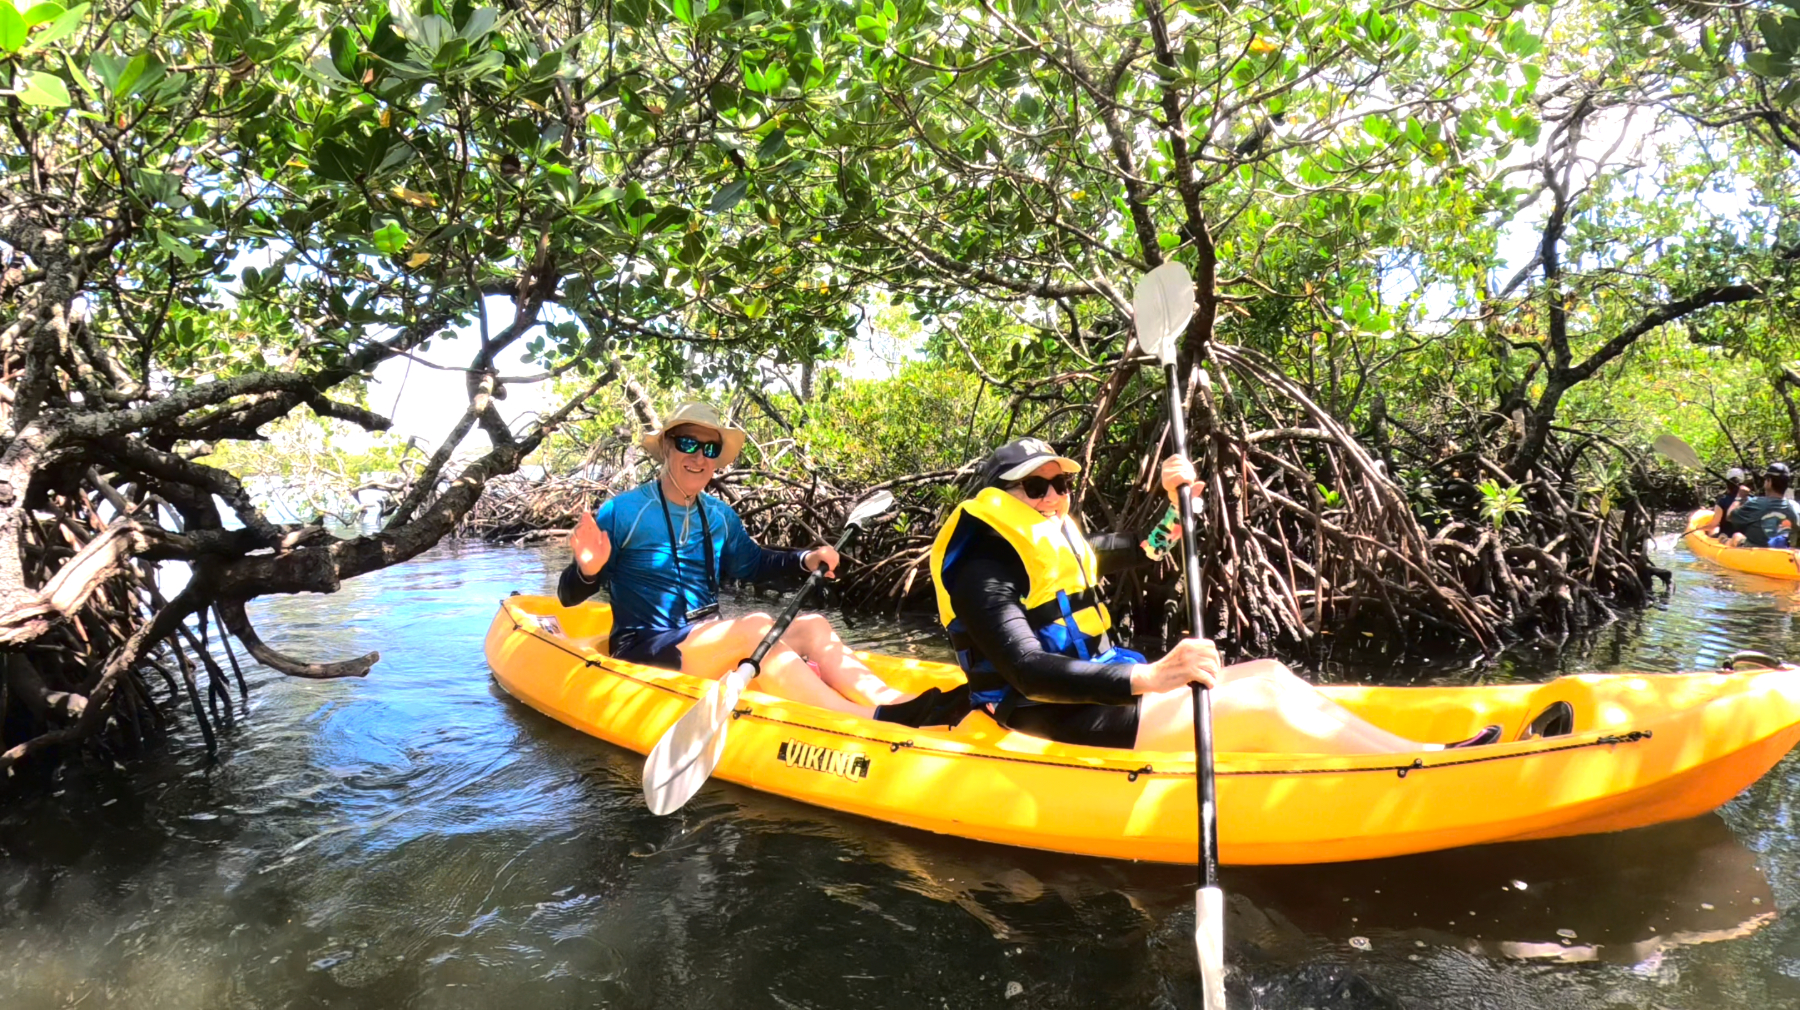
(989, 700)
(1116, 656)
(1075, 634)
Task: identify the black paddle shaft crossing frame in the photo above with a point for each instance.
(1196, 602)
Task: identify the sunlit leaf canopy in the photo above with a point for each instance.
(714, 184)
(346, 170)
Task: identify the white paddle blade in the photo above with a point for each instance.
(685, 757)
(871, 507)
(1209, 939)
(1163, 304)
(1676, 449)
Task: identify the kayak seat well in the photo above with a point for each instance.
(1557, 719)
(585, 626)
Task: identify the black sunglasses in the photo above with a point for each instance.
(689, 444)
(1037, 487)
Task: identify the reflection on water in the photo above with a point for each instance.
(415, 839)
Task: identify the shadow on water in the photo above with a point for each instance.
(417, 840)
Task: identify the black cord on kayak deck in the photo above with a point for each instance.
(1131, 774)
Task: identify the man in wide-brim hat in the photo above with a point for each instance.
(662, 549)
(704, 417)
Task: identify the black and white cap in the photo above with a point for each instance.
(1019, 457)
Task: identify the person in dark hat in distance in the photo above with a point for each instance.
(1768, 519)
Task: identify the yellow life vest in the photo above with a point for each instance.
(1064, 589)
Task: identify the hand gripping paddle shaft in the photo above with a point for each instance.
(1163, 304)
(685, 757)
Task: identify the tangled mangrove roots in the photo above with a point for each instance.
(519, 508)
(1307, 540)
(76, 668)
(103, 477)
(1312, 545)
(1573, 529)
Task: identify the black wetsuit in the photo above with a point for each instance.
(1065, 699)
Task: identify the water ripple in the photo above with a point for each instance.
(415, 839)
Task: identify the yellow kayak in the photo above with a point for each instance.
(1645, 749)
(1770, 562)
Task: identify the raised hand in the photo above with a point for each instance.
(590, 546)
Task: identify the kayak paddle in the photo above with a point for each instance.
(1163, 304)
(1674, 448)
(687, 754)
(1677, 450)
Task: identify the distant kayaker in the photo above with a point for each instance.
(1018, 590)
(1735, 490)
(662, 548)
(1768, 519)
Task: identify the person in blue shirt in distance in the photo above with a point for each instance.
(1735, 490)
(662, 549)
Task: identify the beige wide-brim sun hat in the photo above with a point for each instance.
(700, 415)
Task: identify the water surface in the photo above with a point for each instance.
(417, 839)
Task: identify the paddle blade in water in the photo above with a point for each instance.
(685, 757)
(1674, 448)
(1209, 939)
(1163, 304)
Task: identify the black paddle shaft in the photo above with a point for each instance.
(793, 607)
(1203, 766)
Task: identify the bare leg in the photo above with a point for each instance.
(714, 647)
(786, 675)
(1264, 707)
(1294, 690)
(812, 636)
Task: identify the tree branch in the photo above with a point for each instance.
(238, 623)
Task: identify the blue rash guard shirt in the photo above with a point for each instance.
(648, 588)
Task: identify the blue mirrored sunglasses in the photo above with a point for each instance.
(688, 444)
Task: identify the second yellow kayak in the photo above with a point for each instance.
(1769, 562)
(1645, 749)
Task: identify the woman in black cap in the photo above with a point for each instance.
(1018, 590)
